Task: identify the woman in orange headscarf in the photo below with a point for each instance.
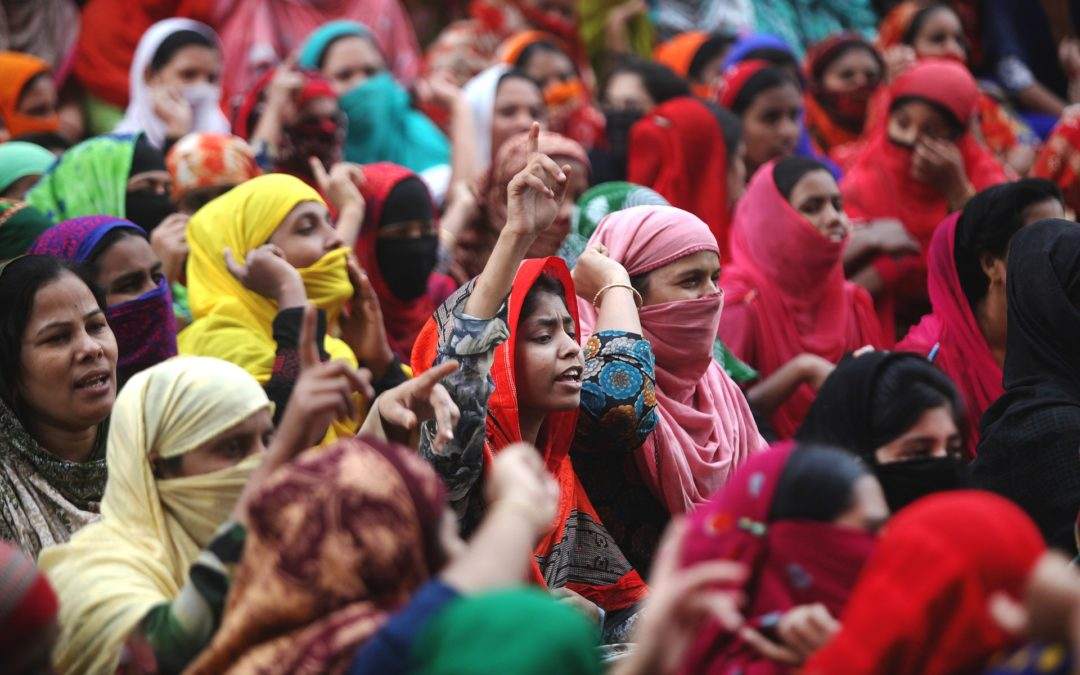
(27, 96)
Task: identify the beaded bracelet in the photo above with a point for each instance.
(599, 294)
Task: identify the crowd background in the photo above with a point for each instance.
(530, 336)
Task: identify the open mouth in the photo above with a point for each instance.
(93, 381)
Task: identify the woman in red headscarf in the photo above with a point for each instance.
(524, 377)
(922, 605)
(786, 292)
(917, 166)
(814, 509)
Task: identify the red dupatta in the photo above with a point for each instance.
(556, 433)
(950, 335)
(734, 525)
(787, 294)
(678, 150)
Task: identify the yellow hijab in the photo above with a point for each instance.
(113, 571)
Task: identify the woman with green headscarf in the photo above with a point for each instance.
(21, 165)
(383, 125)
(20, 225)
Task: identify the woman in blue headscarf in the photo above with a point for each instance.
(383, 125)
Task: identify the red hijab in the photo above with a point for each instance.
(787, 294)
(678, 150)
(556, 433)
(951, 335)
(922, 603)
(403, 318)
(734, 525)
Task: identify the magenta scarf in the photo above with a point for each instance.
(950, 335)
(705, 427)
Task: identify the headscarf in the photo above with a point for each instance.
(19, 160)
(789, 561)
(678, 150)
(922, 605)
(403, 318)
(232, 322)
(45, 28)
(835, 119)
(383, 125)
(480, 94)
(28, 608)
(597, 202)
(19, 69)
(203, 159)
(1027, 451)
(612, 583)
(520, 631)
(511, 159)
(790, 281)
(951, 335)
(204, 99)
(337, 541)
(20, 225)
(145, 327)
(89, 179)
(151, 530)
(705, 427)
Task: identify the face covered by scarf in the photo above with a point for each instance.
(137, 556)
(145, 327)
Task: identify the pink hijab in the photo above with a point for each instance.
(787, 294)
(705, 428)
(952, 331)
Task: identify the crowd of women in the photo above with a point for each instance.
(625, 336)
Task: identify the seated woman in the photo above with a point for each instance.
(204, 165)
(936, 572)
(1027, 451)
(900, 414)
(117, 255)
(789, 309)
(258, 254)
(122, 176)
(811, 508)
(28, 97)
(188, 444)
(175, 83)
(382, 124)
(398, 248)
(21, 165)
(20, 225)
(699, 57)
(934, 30)
(57, 388)
(917, 167)
(514, 331)
(768, 100)
(964, 334)
(843, 74)
(704, 428)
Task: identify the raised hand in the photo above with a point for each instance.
(266, 272)
(362, 326)
(537, 192)
(420, 399)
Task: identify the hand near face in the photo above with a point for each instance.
(536, 194)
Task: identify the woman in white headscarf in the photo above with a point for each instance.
(175, 83)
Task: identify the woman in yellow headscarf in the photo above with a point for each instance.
(258, 253)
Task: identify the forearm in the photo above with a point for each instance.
(494, 283)
(498, 555)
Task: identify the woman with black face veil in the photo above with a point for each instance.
(900, 414)
(1030, 436)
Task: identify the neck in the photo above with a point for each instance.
(995, 338)
(67, 444)
(530, 422)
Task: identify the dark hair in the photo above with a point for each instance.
(545, 283)
(817, 484)
(715, 45)
(730, 129)
(789, 171)
(761, 81)
(956, 127)
(987, 225)
(921, 17)
(662, 83)
(90, 265)
(903, 391)
(174, 43)
(515, 74)
(20, 282)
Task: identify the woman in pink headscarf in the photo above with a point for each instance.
(786, 290)
(705, 429)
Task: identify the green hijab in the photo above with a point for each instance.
(19, 160)
(521, 631)
(89, 179)
(20, 225)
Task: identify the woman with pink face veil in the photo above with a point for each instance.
(705, 429)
